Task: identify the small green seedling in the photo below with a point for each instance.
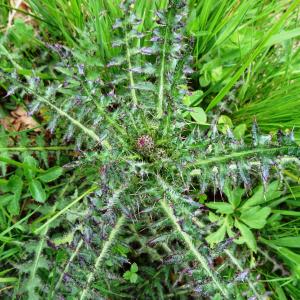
(131, 275)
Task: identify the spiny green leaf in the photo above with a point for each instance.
(66, 238)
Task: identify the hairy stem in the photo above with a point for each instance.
(241, 154)
(128, 56)
(86, 130)
(102, 255)
(161, 77)
(189, 243)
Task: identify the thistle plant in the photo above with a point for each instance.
(141, 161)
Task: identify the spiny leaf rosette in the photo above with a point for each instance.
(142, 163)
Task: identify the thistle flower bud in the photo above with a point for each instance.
(145, 144)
